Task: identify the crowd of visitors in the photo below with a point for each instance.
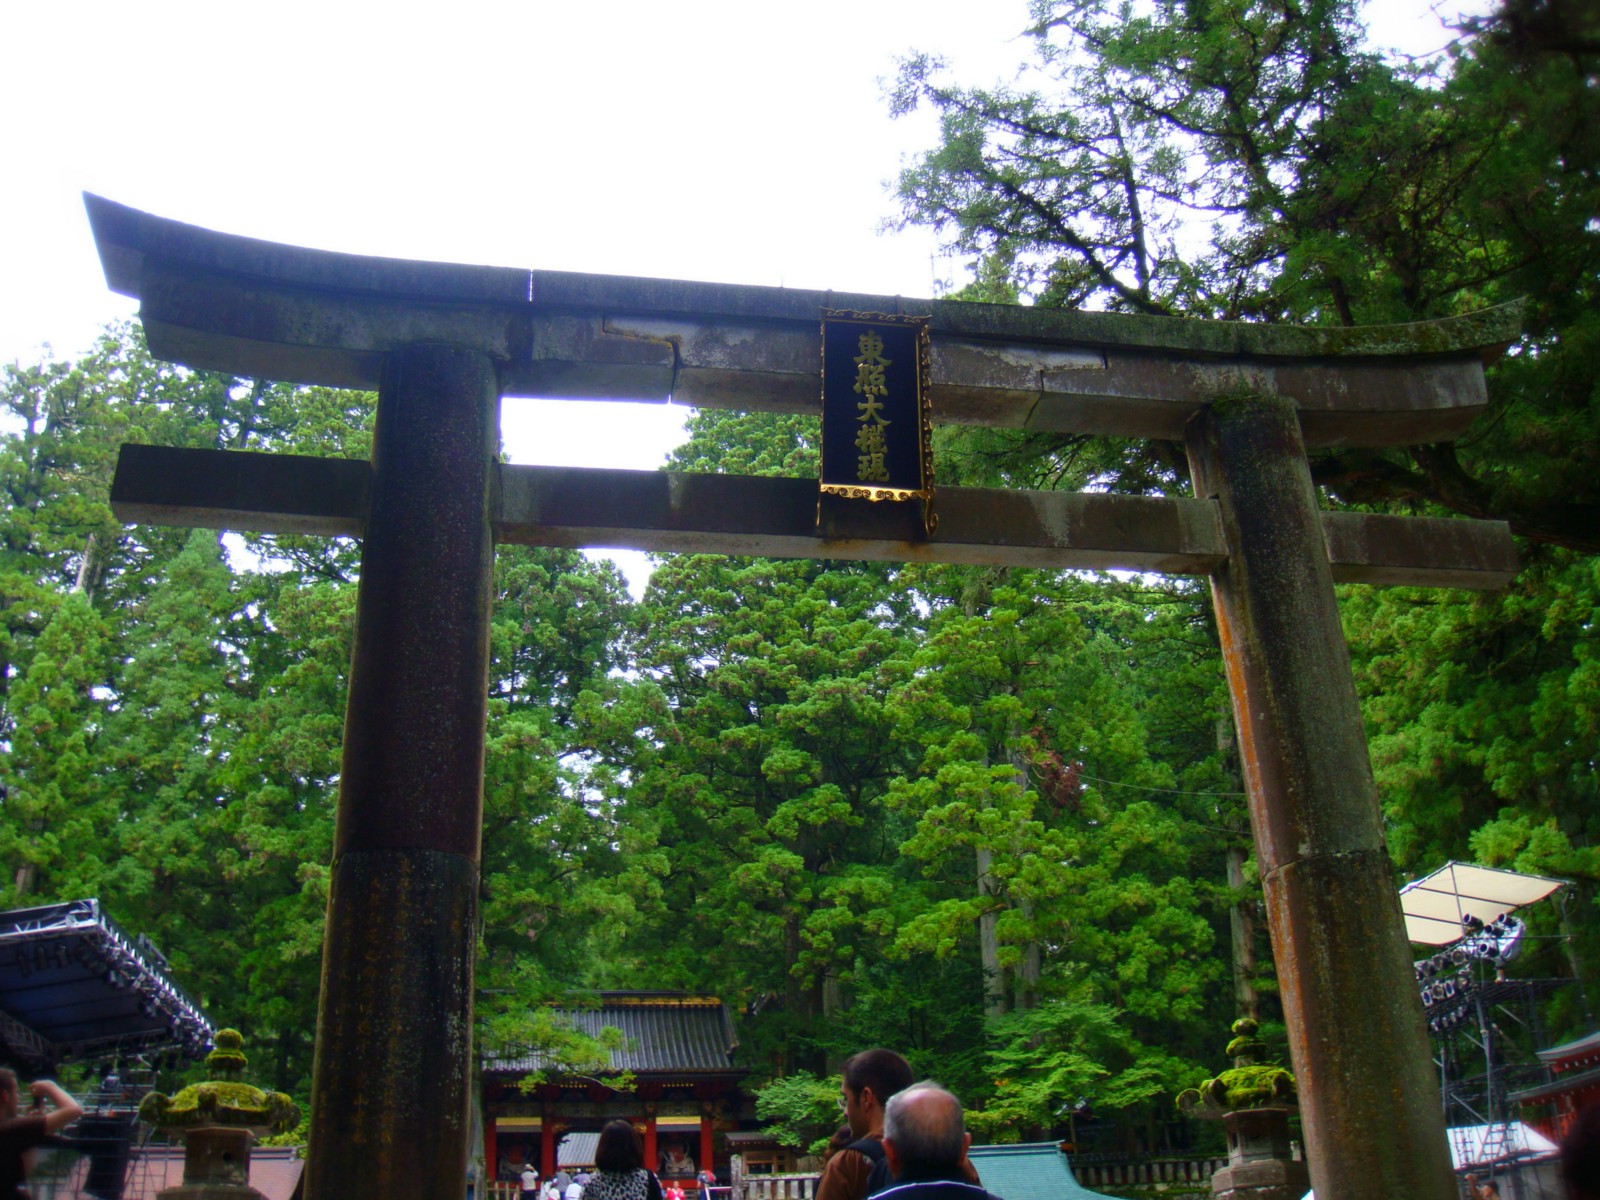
(908, 1141)
(899, 1137)
(901, 1140)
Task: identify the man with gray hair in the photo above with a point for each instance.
(925, 1143)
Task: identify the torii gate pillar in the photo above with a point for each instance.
(389, 1101)
(1360, 1048)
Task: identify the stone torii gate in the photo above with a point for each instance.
(442, 344)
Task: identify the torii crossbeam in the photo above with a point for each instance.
(443, 343)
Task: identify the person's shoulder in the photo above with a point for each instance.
(935, 1189)
(849, 1158)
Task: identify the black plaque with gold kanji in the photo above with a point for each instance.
(875, 420)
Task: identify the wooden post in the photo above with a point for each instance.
(390, 1084)
(547, 1147)
(1373, 1124)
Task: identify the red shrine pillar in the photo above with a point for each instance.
(393, 1069)
(1369, 1101)
(705, 1163)
(651, 1158)
(547, 1148)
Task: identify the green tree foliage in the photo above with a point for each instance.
(1251, 161)
(173, 705)
(800, 1110)
(882, 797)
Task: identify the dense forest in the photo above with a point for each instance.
(990, 817)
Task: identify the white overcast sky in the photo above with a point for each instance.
(727, 140)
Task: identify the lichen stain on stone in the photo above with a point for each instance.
(1054, 520)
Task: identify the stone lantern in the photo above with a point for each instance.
(1253, 1102)
(218, 1120)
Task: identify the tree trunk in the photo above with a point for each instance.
(832, 996)
(1027, 972)
(89, 568)
(1242, 911)
(1242, 925)
(994, 992)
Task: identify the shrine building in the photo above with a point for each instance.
(685, 1096)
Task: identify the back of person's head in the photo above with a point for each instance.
(620, 1148)
(926, 1125)
(884, 1071)
(1580, 1155)
(841, 1138)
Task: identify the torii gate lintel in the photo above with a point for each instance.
(443, 343)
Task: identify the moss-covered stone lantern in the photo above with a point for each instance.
(218, 1120)
(1253, 1101)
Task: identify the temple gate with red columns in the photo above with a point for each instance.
(684, 1099)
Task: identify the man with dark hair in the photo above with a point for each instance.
(19, 1134)
(868, 1081)
(925, 1143)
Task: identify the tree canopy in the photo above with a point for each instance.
(1247, 160)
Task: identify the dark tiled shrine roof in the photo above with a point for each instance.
(1029, 1171)
(665, 1032)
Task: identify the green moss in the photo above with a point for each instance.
(224, 1101)
(228, 1060)
(1246, 1084)
(1254, 1087)
(1245, 1047)
(220, 1103)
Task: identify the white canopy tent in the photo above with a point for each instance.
(1435, 904)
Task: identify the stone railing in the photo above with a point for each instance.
(776, 1187)
(1096, 1171)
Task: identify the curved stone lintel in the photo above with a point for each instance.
(258, 308)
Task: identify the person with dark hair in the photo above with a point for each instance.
(620, 1173)
(925, 1142)
(841, 1138)
(21, 1134)
(867, 1082)
(1580, 1155)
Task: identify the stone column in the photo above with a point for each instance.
(1368, 1099)
(389, 1101)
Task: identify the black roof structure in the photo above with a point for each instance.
(667, 1032)
(73, 985)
